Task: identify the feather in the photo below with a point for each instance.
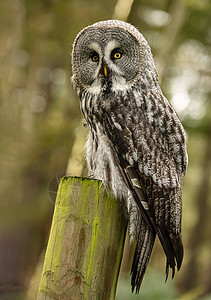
(144, 246)
(151, 200)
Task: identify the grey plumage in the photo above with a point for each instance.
(136, 144)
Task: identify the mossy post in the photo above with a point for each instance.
(86, 242)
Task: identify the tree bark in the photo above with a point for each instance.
(86, 242)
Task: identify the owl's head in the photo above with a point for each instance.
(110, 56)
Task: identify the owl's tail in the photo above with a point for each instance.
(145, 242)
(177, 247)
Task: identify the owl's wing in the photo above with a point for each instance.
(160, 205)
(159, 217)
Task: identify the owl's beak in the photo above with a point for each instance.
(105, 70)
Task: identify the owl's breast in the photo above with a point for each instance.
(95, 107)
(102, 162)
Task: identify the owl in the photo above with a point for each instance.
(136, 144)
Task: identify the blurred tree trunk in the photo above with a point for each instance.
(170, 33)
(12, 239)
(28, 148)
(198, 234)
(12, 15)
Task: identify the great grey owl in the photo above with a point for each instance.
(136, 143)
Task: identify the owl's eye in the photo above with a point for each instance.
(95, 56)
(117, 55)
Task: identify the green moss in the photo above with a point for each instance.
(118, 264)
(54, 249)
(98, 213)
(91, 254)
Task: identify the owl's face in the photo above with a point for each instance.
(107, 56)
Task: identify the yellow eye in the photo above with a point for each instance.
(117, 55)
(95, 58)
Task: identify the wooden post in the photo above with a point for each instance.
(86, 242)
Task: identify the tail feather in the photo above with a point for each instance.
(173, 248)
(177, 246)
(142, 255)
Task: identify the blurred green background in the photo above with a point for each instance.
(42, 138)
